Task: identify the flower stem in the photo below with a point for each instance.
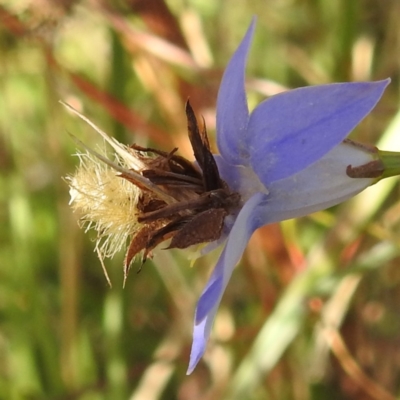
(391, 162)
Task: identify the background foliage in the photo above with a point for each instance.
(313, 310)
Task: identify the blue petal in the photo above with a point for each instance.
(251, 216)
(321, 185)
(201, 333)
(292, 130)
(232, 110)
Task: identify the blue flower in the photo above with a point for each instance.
(286, 159)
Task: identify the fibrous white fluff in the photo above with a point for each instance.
(107, 202)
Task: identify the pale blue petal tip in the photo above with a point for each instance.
(250, 217)
(232, 110)
(210, 296)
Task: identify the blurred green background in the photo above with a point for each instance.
(313, 310)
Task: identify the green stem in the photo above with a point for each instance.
(391, 162)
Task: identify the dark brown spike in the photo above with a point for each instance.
(177, 164)
(165, 233)
(161, 177)
(180, 165)
(173, 210)
(204, 227)
(162, 235)
(202, 152)
(194, 135)
(165, 154)
(212, 180)
(138, 243)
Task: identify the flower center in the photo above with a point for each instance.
(201, 199)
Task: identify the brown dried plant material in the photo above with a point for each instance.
(148, 196)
